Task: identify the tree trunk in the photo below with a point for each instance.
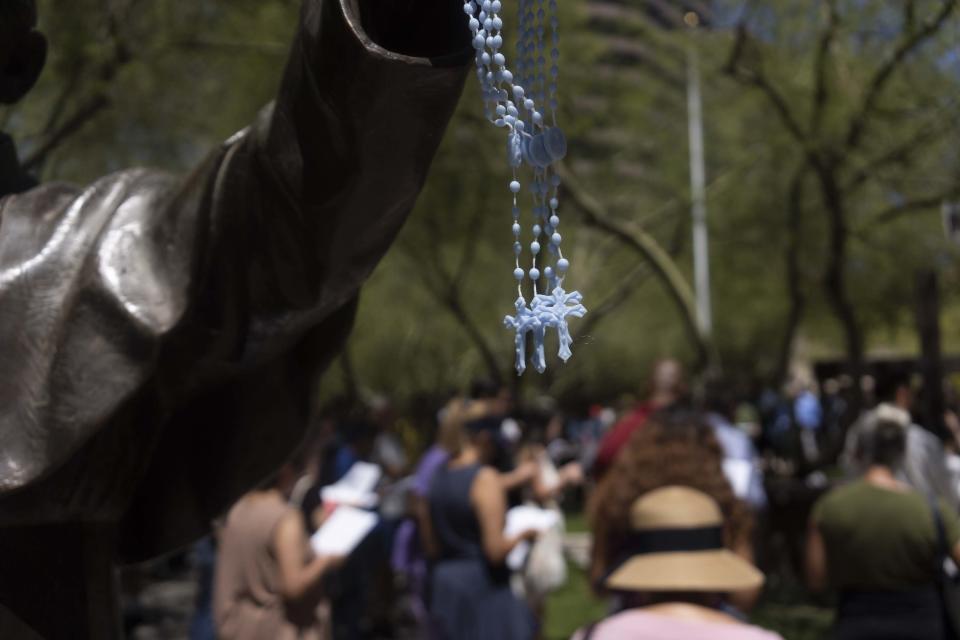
(834, 281)
(931, 358)
(798, 301)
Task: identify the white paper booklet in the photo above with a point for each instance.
(343, 531)
(356, 487)
(525, 518)
(739, 473)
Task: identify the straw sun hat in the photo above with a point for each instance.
(676, 544)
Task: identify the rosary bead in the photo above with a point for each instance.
(518, 92)
(485, 57)
(516, 229)
(497, 24)
(556, 238)
(548, 272)
(534, 274)
(487, 6)
(499, 59)
(562, 265)
(537, 117)
(488, 24)
(478, 41)
(537, 230)
(535, 248)
(518, 274)
(554, 203)
(528, 104)
(495, 6)
(468, 9)
(512, 110)
(474, 24)
(554, 221)
(507, 76)
(497, 42)
(501, 110)
(517, 248)
(515, 186)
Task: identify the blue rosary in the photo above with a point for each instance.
(515, 103)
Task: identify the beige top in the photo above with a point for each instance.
(247, 601)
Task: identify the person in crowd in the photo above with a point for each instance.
(409, 554)
(545, 570)
(951, 420)
(673, 572)
(667, 387)
(387, 450)
(268, 584)
(808, 416)
(470, 589)
(204, 558)
(356, 440)
(924, 466)
(675, 448)
(877, 541)
(740, 461)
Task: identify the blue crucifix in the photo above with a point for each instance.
(553, 311)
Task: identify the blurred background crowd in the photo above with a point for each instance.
(833, 506)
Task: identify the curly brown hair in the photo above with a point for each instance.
(672, 448)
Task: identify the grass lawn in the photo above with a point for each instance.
(572, 607)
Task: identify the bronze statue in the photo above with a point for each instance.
(159, 337)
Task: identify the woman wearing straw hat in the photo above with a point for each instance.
(674, 572)
(674, 448)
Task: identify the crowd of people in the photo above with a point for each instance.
(675, 488)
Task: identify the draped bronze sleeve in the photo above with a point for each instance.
(159, 338)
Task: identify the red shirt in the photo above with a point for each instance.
(618, 436)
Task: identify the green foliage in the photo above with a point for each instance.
(174, 78)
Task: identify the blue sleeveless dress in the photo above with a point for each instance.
(469, 599)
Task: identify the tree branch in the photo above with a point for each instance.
(895, 212)
(914, 39)
(612, 302)
(82, 116)
(821, 67)
(121, 56)
(758, 79)
(898, 154)
(595, 215)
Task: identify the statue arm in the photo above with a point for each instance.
(322, 183)
(145, 286)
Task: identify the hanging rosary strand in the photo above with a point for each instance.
(519, 103)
